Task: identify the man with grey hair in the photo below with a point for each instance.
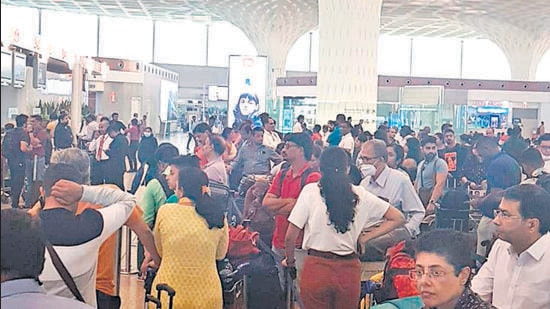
(394, 187)
(105, 292)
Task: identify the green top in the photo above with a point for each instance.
(173, 199)
(152, 199)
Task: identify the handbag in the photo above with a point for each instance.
(141, 186)
(63, 272)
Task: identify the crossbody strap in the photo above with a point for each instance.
(63, 272)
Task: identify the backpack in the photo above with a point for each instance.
(10, 147)
(396, 282)
(284, 170)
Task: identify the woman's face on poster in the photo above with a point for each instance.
(247, 106)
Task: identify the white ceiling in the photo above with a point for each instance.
(433, 18)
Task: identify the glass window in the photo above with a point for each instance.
(224, 39)
(57, 30)
(25, 20)
(435, 57)
(394, 54)
(126, 38)
(180, 43)
(298, 56)
(483, 59)
(543, 69)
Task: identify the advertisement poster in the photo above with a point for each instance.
(247, 89)
(168, 99)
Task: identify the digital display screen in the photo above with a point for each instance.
(7, 72)
(19, 68)
(247, 89)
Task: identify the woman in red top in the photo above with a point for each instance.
(316, 135)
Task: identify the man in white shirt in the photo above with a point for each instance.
(98, 146)
(298, 125)
(517, 272)
(394, 187)
(347, 142)
(271, 138)
(77, 238)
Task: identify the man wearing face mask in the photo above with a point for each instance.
(395, 187)
(543, 145)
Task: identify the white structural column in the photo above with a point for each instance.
(524, 56)
(76, 96)
(347, 80)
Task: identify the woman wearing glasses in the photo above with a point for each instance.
(444, 269)
(332, 214)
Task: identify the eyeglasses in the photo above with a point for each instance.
(433, 274)
(504, 215)
(289, 145)
(365, 158)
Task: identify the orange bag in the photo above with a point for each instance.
(242, 242)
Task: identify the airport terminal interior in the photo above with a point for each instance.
(461, 75)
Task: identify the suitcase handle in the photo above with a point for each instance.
(153, 299)
(165, 287)
(168, 289)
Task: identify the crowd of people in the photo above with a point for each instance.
(333, 197)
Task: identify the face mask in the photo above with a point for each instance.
(146, 134)
(429, 156)
(367, 170)
(545, 158)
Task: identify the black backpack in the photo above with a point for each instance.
(11, 146)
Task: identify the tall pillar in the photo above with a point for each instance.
(524, 56)
(347, 80)
(76, 95)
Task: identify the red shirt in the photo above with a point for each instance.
(290, 188)
(134, 133)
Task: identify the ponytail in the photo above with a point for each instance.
(194, 183)
(336, 188)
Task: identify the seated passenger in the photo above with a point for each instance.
(443, 270)
(254, 157)
(517, 272)
(22, 262)
(190, 236)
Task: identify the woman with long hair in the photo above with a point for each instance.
(333, 214)
(190, 236)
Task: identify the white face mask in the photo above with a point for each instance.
(545, 158)
(146, 134)
(367, 170)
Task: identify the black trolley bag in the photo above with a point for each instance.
(161, 287)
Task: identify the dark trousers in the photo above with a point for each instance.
(17, 180)
(132, 150)
(105, 301)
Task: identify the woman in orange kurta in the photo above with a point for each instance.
(190, 236)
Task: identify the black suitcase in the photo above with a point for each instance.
(161, 287)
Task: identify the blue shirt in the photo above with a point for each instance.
(502, 173)
(26, 293)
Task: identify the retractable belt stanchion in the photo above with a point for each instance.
(118, 261)
(127, 241)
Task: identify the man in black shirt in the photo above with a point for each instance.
(63, 135)
(119, 126)
(15, 146)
